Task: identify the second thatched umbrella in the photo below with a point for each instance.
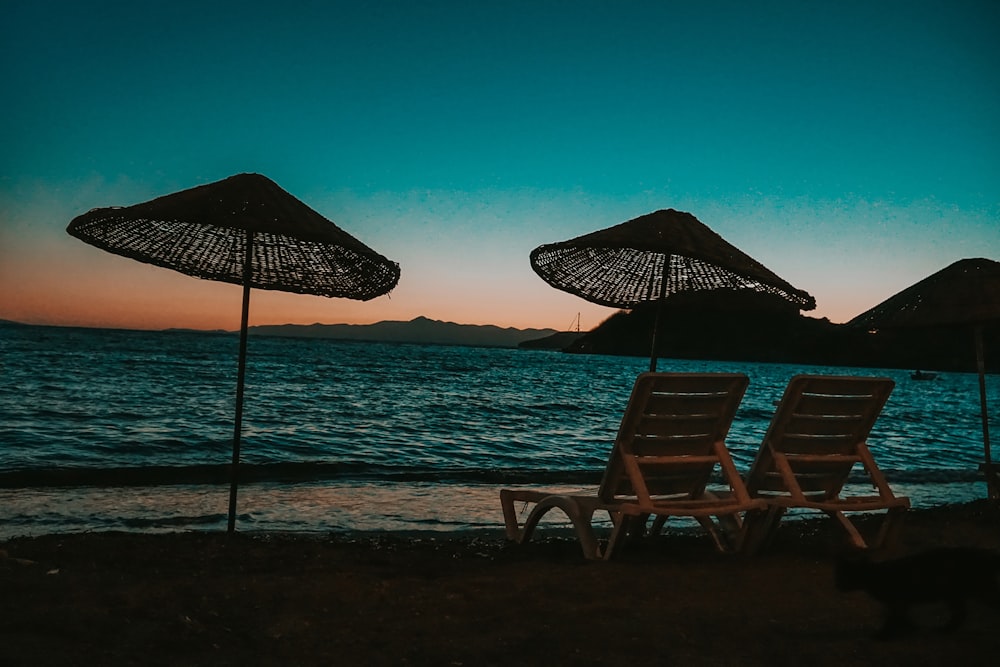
(651, 257)
(965, 293)
(248, 231)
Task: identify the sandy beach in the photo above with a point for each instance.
(390, 599)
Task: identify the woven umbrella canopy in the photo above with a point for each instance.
(248, 231)
(966, 293)
(651, 257)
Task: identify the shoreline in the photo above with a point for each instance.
(469, 598)
(358, 506)
(801, 527)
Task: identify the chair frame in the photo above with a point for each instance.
(818, 434)
(671, 439)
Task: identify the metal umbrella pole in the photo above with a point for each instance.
(240, 378)
(659, 316)
(992, 483)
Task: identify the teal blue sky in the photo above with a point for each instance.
(853, 147)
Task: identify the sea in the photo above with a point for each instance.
(132, 430)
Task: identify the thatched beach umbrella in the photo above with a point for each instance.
(651, 257)
(966, 293)
(247, 231)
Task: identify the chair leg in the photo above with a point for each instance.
(888, 534)
(580, 513)
(759, 527)
(713, 531)
(852, 532)
(731, 529)
(725, 530)
(626, 528)
(619, 532)
(658, 523)
(511, 527)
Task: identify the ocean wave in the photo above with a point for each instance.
(307, 472)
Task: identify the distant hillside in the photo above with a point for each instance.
(724, 325)
(557, 341)
(419, 330)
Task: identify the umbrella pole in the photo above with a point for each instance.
(992, 486)
(659, 314)
(656, 334)
(240, 376)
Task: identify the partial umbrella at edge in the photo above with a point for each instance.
(965, 293)
(247, 231)
(651, 257)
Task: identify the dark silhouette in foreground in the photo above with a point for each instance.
(952, 576)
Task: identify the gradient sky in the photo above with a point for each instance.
(851, 146)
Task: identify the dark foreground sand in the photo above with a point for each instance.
(205, 599)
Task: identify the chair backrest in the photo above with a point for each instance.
(672, 436)
(817, 434)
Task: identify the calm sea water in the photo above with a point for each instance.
(367, 436)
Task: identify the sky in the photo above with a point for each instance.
(850, 146)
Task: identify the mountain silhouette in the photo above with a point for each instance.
(729, 325)
(419, 330)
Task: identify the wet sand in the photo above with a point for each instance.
(390, 599)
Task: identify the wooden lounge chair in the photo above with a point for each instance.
(671, 439)
(817, 435)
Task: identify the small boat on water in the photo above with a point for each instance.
(922, 375)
